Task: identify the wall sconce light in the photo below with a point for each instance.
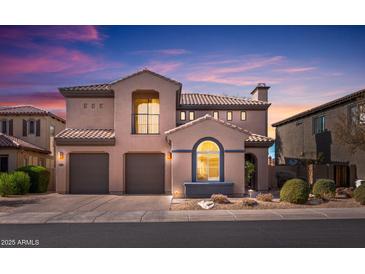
(169, 156)
(61, 156)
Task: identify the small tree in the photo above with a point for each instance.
(250, 169)
(350, 130)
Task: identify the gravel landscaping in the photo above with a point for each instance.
(236, 203)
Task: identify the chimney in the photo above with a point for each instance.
(260, 92)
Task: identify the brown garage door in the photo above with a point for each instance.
(145, 173)
(89, 173)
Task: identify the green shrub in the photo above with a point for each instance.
(295, 191)
(21, 182)
(359, 194)
(324, 189)
(6, 184)
(39, 178)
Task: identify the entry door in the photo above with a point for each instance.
(145, 173)
(4, 163)
(89, 173)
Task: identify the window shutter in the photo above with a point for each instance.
(38, 128)
(25, 128)
(11, 133)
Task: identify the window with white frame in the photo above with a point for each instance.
(319, 124)
(229, 116)
(182, 115)
(243, 115)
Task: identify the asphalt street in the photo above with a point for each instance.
(284, 233)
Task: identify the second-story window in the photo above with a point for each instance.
(182, 115)
(4, 127)
(215, 114)
(319, 124)
(31, 127)
(191, 115)
(243, 115)
(229, 115)
(146, 113)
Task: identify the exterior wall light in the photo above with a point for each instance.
(61, 156)
(169, 156)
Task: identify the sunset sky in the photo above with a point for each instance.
(305, 66)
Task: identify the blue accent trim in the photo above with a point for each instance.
(221, 158)
(181, 151)
(234, 151)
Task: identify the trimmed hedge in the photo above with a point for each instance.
(6, 185)
(359, 194)
(324, 189)
(14, 183)
(39, 178)
(295, 191)
(21, 182)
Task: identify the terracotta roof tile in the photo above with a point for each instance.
(201, 99)
(27, 110)
(7, 141)
(80, 133)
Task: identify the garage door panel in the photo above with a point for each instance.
(89, 173)
(145, 173)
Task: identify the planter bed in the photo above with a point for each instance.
(206, 189)
(192, 204)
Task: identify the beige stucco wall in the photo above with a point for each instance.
(99, 117)
(126, 142)
(43, 140)
(256, 120)
(262, 166)
(185, 139)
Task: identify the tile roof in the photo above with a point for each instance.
(252, 139)
(197, 100)
(27, 110)
(7, 141)
(342, 100)
(87, 136)
(256, 138)
(96, 87)
(150, 72)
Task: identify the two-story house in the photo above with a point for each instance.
(311, 136)
(27, 137)
(142, 135)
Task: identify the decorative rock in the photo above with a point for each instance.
(206, 204)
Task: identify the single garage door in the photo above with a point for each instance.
(89, 173)
(145, 173)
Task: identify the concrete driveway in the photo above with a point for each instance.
(84, 203)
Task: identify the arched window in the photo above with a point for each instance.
(208, 161)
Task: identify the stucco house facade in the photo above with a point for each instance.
(142, 135)
(311, 136)
(27, 137)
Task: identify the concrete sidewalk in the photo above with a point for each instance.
(179, 216)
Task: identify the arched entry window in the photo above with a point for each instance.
(208, 161)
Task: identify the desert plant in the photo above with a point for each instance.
(265, 197)
(220, 199)
(346, 191)
(6, 184)
(39, 178)
(21, 182)
(249, 202)
(359, 194)
(324, 189)
(250, 169)
(295, 191)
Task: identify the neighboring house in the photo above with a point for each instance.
(310, 137)
(142, 135)
(27, 137)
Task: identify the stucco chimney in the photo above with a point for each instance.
(260, 92)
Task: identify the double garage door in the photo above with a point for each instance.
(144, 173)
